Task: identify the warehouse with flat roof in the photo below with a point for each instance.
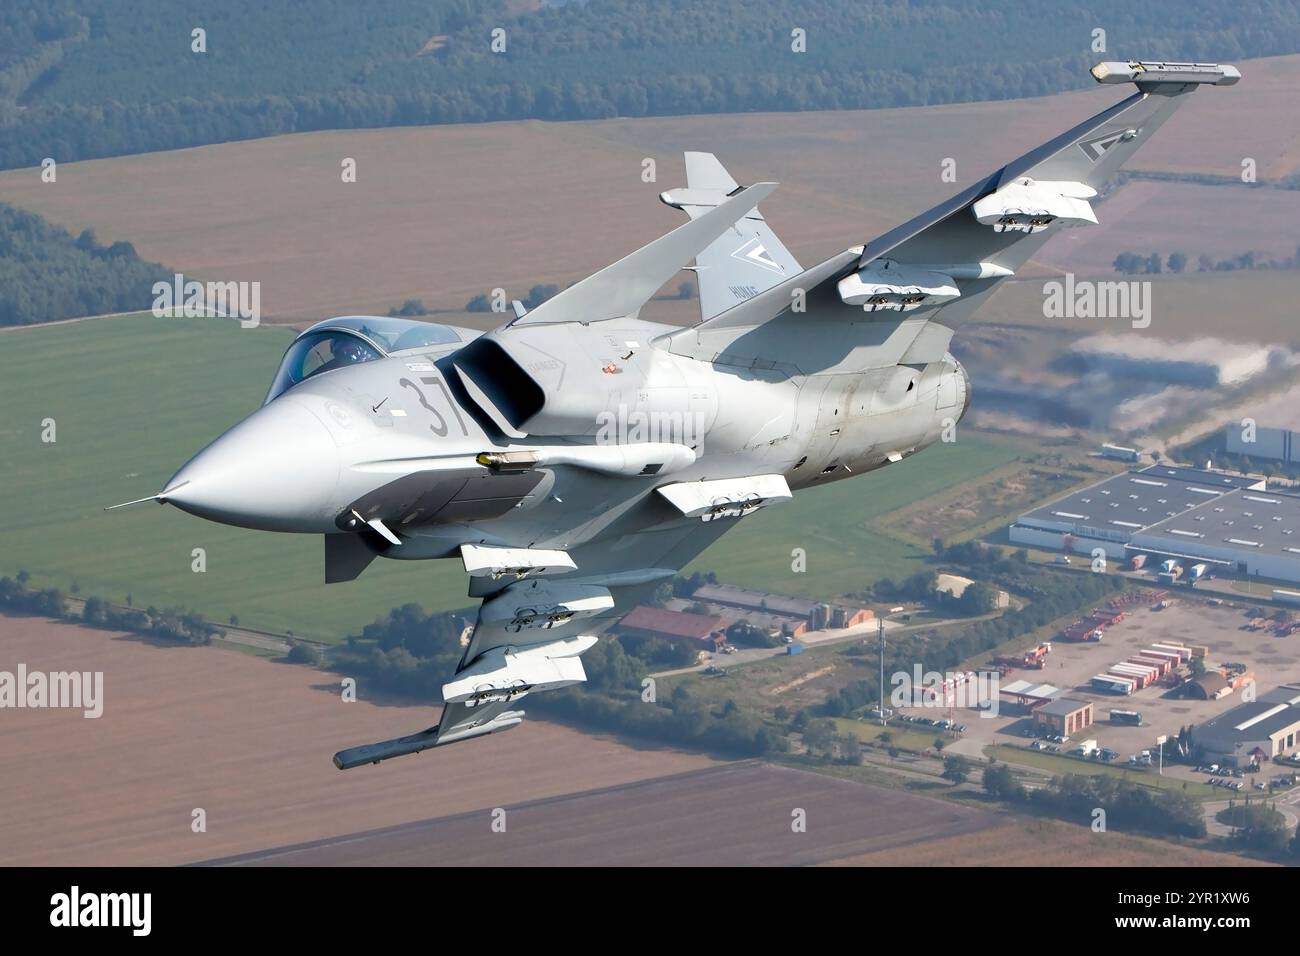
(1229, 523)
(1109, 512)
(1244, 532)
(1271, 724)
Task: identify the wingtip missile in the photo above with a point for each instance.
(1152, 71)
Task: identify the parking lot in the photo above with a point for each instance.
(1070, 666)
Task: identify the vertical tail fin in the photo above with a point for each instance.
(746, 259)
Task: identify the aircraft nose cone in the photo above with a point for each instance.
(277, 470)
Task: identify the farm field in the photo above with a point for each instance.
(1193, 305)
(732, 815)
(249, 742)
(445, 213)
(1145, 216)
(1038, 842)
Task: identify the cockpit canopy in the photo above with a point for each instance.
(351, 340)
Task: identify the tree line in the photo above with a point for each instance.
(1128, 805)
(47, 274)
(134, 82)
(175, 624)
(1134, 263)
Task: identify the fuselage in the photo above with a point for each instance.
(396, 438)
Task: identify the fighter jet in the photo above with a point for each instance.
(578, 456)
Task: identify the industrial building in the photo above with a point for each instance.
(1277, 444)
(809, 615)
(1201, 363)
(1063, 716)
(698, 630)
(1244, 532)
(743, 598)
(1259, 730)
(1229, 523)
(1209, 686)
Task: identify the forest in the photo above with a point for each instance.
(46, 274)
(88, 78)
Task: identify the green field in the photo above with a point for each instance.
(841, 526)
(134, 397)
(1057, 764)
(901, 735)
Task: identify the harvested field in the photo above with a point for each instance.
(445, 213)
(249, 742)
(735, 815)
(1046, 843)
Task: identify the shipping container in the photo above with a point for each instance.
(1162, 666)
(1142, 675)
(1137, 682)
(1124, 666)
(1172, 657)
(794, 649)
(1112, 683)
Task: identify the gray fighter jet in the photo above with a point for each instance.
(577, 457)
